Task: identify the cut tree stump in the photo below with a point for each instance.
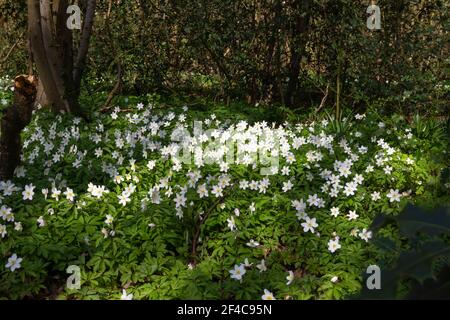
(15, 118)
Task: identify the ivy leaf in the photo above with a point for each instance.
(437, 289)
(419, 264)
(415, 219)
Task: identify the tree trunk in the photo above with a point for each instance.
(52, 49)
(44, 55)
(15, 118)
(300, 28)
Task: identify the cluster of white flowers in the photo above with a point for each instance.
(145, 137)
(96, 191)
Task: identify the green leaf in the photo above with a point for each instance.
(415, 220)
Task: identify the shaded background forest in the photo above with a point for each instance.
(293, 53)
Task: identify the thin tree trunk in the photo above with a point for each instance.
(52, 50)
(41, 57)
(299, 41)
(84, 44)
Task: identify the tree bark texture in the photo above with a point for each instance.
(14, 120)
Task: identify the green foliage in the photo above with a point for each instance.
(284, 52)
(6, 93)
(147, 246)
(424, 267)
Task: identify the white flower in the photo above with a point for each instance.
(6, 213)
(287, 186)
(129, 189)
(109, 219)
(17, 226)
(217, 191)
(238, 272)
(243, 184)
(333, 245)
(118, 179)
(394, 195)
(28, 193)
(13, 262)
(41, 221)
(124, 198)
(252, 243)
(20, 172)
(334, 279)
(3, 231)
(263, 185)
(388, 170)
(45, 193)
(285, 171)
(309, 224)
(267, 295)
(350, 188)
(252, 207)
(300, 206)
(202, 191)
(56, 193)
(126, 296)
(313, 200)
(365, 235)
(97, 191)
(262, 266)
(247, 263)
(8, 188)
(358, 179)
(231, 223)
(180, 200)
(98, 152)
(105, 232)
(69, 194)
(335, 211)
(375, 196)
(155, 195)
(354, 232)
(352, 215)
(290, 277)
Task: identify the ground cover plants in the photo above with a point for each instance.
(149, 206)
